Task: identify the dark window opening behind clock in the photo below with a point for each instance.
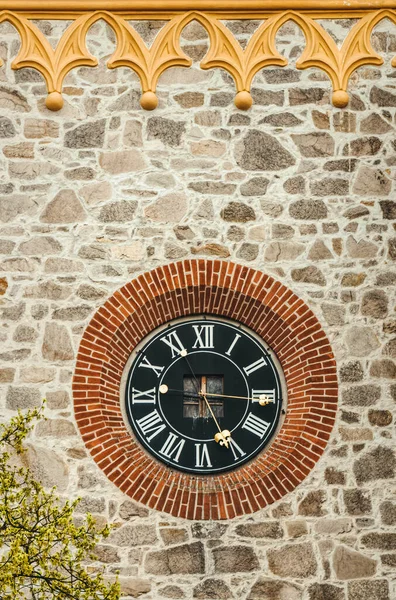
(195, 407)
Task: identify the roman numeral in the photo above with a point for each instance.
(269, 393)
(261, 362)
(173, 341)
(256, 425)
(202, 456)
(235, 448)
(236, 338)
(204, 335)
(147, 365)
(171, 447)
(152, 424)
(145, 397)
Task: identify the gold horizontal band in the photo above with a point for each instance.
(130, 15)
(169, 6)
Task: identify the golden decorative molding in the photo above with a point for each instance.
(225, 6)
(225, 52)
(132, 52)
(37, 53)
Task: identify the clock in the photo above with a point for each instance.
(181, 382)
(203, 395)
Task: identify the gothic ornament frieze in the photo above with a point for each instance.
(321, 51)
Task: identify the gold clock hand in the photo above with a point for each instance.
(163, 389)
(222, 437)
(184, 353)
(263, 399)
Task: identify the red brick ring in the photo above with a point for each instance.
(193, 287)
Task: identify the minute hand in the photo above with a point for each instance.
(261, 398)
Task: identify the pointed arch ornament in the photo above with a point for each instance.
(321, 51)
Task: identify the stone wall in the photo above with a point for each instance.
(102, 191)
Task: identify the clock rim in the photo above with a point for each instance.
(196, 317)
(228, 288)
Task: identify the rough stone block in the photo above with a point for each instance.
(314, 145)
(134, 586)
(134, 535)
(7, 129)
(377, 464)
(308, 210)
(212, 589)
(122, 161)
(325, 591)
(369, 590)
(47, 466)
(265, 529)
(310, 274)
(357, 502)
(57, 344)
(235, 559)
(122, 211)
(349, 564)
(238, 212)
(168, 131)
(87, 135)
(388, 513)
(185, 559)
(173, 535)
(20, 398)
(293, 560)
(379, 541)
(64, 208)
(260, 151)
(361, 340)
(57, 400)
(274, 589)
(56, 428)
(170, 208)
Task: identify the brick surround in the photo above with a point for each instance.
(213, 287)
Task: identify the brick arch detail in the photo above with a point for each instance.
(255, 299)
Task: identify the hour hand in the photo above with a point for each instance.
(164, 389)
(223, 437)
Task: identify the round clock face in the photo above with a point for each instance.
(204, 395)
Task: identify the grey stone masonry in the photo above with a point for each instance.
(102, 191)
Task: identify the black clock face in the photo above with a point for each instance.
(203, 395)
